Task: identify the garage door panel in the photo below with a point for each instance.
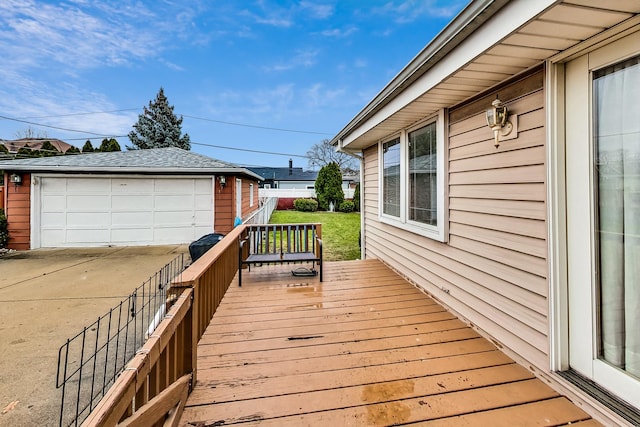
(54, 219)
(203, 186)
(50, 238)
(203, 202)
(129, 219)
(54, 203)
(88, 203)
(87, 236)
(92, 220)
(54, 185)
(88, 185)
(97, 211)
(170, 202)
(171, 234)
(173, 186)
(202, 218)
(127, 186)
(173, 218)
(132, 236)
(132, 202)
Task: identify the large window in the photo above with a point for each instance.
(412, 179)
(391, 177)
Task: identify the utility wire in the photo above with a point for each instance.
(99, 136)
(256, 126)
(52, 127)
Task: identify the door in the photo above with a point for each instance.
(603, 215)
(239, 198)
(100, 211)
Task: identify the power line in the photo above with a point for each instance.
(256, 126)
(99, 136)
(52, 127)
(80, 114)
(24, 120)
(247, 150)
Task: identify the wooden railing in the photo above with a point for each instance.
(154, 386)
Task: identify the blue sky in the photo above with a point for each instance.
(302, 66)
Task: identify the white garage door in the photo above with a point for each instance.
(99, 211)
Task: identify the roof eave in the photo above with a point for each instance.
(132, 170)
(466, 22)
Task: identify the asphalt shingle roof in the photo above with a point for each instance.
(170, 159)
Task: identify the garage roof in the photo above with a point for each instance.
(157, 160)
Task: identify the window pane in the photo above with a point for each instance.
(391, 177)
(423, 164)
(616, 91)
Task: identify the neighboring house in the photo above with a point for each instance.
(286, 178)
(34, 143)
(139, 197)
(534, 242)
(288, 184)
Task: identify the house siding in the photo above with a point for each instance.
(225, 204)
(17, 210)
(493, 269)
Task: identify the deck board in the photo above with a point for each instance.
(364, 347)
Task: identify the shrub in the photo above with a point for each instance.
(346, 206)
(4, 233)
(329, 186)
(356, 197)
(305, 205)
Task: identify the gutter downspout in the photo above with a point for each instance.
(341, 149)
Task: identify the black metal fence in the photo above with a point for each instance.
(90, 362)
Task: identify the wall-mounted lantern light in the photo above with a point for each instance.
(497, 120)
(223, 181)
(15, 179)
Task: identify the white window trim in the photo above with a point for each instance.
(250, 195)
(438, 232)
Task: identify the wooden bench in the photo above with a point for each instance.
(280, 243)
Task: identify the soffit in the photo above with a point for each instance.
(560, 27)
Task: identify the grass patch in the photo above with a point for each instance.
(340, 231)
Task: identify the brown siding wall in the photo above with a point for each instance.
(224, 206)
(225, 203)
(17, 210)
(246, 190)
(493, 270)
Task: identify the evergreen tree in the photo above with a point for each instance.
(109, 145)
(158, 127)
(88, 147)
(356, 197)
(72, 150)
(48, 150)
(3, 149)
(329, 186)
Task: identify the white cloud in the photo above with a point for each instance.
(302, 59)
(339, 32)
(406, 11)
(318, 11)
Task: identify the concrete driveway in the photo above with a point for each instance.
(47, 296)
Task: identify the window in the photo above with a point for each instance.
(250, 195)
(412, 179)
(391, 177)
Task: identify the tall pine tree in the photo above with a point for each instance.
(158, 127)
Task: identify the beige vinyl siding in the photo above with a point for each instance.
(493, 269)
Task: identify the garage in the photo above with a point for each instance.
(123, 198)
(98, 211)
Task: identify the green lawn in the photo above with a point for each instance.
(340, 231)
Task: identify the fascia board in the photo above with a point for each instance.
(512, 16)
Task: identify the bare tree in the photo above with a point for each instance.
(323, 153)
(31, 133)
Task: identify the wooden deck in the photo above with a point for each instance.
(364, 347)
